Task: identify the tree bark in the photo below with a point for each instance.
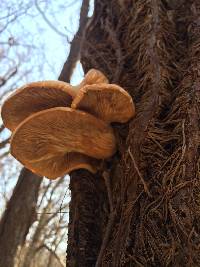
(19, 215)
(87, 203)
(150, 48)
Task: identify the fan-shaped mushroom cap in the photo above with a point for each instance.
(63, 164)
(35, 97)
(108, 102)
(93, 76)
(58, 131)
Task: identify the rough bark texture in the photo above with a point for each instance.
(19, 215)
(150, 48)
(88, 197)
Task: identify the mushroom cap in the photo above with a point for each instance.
(93, 76)
(63, 164)
(57, 131)
(108, 102)
(35, 97)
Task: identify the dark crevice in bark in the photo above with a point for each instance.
(154, 54)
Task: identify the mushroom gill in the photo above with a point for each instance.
(60, 130)
(108, 102)
(34, 97)
(38, 96)
(62, 164)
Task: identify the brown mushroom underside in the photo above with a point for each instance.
(108, 102)
(57, 166)
(38, 96)
(57, 131)
(35, 97)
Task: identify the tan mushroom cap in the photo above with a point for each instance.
(57, 166)
(38, 96)
(93, 76)
(108, 102)
(57, 131)
(35, 97)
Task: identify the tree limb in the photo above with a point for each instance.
(74, 53)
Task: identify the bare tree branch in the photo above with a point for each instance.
(4, 142)
(52, 252)
(2, 128)
(48, 21)
(74, 53)
(8, 76)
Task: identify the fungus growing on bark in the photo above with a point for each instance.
(93, 76)
(34, 97)
(52, 139)
(38, 96)
(58, 132)
(60, 165)
(108, 102)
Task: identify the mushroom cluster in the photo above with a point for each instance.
(57, 128)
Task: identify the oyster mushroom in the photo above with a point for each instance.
(35, 97)
(108, 102)
(38, 96)
(93, 76)
(56, 133)
(60, 165)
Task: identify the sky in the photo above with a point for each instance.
(31, 29)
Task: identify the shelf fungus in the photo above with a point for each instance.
(108, 102)
(50, 138)
(93, 76)
(38, 96)
(58, 128)
(34, 97)
(62, 164)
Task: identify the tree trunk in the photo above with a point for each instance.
(150, 48)
(88, 197)
(19, 215)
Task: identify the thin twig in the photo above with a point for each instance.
(106, 238)
(139, 174)
(50, 24)
(60, 209)
(106, 176)
(53, 213)
(52, 252)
